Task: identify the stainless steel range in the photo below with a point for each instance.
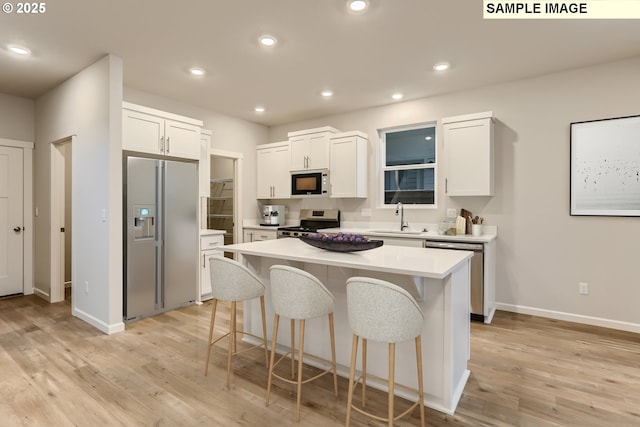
(312, 220)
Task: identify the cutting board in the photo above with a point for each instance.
(468, 216)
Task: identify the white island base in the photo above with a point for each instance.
(439, 281)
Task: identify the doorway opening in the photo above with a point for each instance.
(61, 221)
(225, 201)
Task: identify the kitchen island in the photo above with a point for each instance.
(439, 281)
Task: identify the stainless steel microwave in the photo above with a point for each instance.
(310, 183)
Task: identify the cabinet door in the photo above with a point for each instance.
(299, 153)
(318, 157)
(205, 275)
(248, 236)
(272, 172)
(264, 174)
(182, 140)
(469, 151)
(281, 177)
(142, 132)
(348, 168)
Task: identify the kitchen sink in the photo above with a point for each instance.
(396, 231)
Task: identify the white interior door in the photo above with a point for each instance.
(11, 221)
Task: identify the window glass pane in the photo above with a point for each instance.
(409, 186)
(411, 147)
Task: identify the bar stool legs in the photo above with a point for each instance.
(297, 379)
(391, 383)
(232, 348)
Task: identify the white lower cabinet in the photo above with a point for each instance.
(256, 235)
(210, 246)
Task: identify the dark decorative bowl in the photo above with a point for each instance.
(337, 246)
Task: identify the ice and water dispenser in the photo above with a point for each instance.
(144, 222)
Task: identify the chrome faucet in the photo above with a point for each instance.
(400, 210)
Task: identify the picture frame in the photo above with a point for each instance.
(605, 167)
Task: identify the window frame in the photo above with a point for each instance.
(382, 161)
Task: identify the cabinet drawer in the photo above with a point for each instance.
(211, 241)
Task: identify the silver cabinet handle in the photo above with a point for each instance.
(168, 141)
(161, 144)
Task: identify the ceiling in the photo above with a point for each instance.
(363, 58)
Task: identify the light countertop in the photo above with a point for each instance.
(209, 232)
(433, 263)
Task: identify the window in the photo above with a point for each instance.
(409, 165)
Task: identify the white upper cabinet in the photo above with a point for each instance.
(272, 171)
(348, 166)
(146, 130)
(468, 147)
(310, 148)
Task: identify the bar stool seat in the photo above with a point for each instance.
(383, 312)
(232, 281)
(298, 295)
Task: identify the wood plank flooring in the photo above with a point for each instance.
(56, 370)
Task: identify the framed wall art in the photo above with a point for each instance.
(605, 167)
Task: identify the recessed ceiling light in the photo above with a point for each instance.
(397, 96)
(357, 6)
(441, 66)
(19, 50)
(197, 71)
(327, 93)
(267, 40)
(259, 109)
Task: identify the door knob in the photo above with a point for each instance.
(17, 229)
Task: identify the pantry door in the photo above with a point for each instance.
(11, 221)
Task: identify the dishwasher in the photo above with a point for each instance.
(477, 272)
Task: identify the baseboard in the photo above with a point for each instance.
(42, 294)
(570, 317)
(104, 327)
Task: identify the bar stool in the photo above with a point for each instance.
(232, 281)
(299, 295)
(382, 312)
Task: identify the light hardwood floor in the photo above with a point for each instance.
(56, 370)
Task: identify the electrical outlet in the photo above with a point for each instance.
(583, 288)
(452, 213)
(86, 287)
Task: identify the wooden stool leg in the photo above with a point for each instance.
(274, 340)
(293, 348)
(232, 335)
(333, 354)
(300, 356)
(392, 362)
(213, 318)
(420, 386)
(352, 374)
(264, 332)
(364, 373)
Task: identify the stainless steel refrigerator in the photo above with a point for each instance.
(161, 236)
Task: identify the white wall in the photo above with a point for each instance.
(17, 118)
(88, 107)
(542, 251)
(229, 133)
